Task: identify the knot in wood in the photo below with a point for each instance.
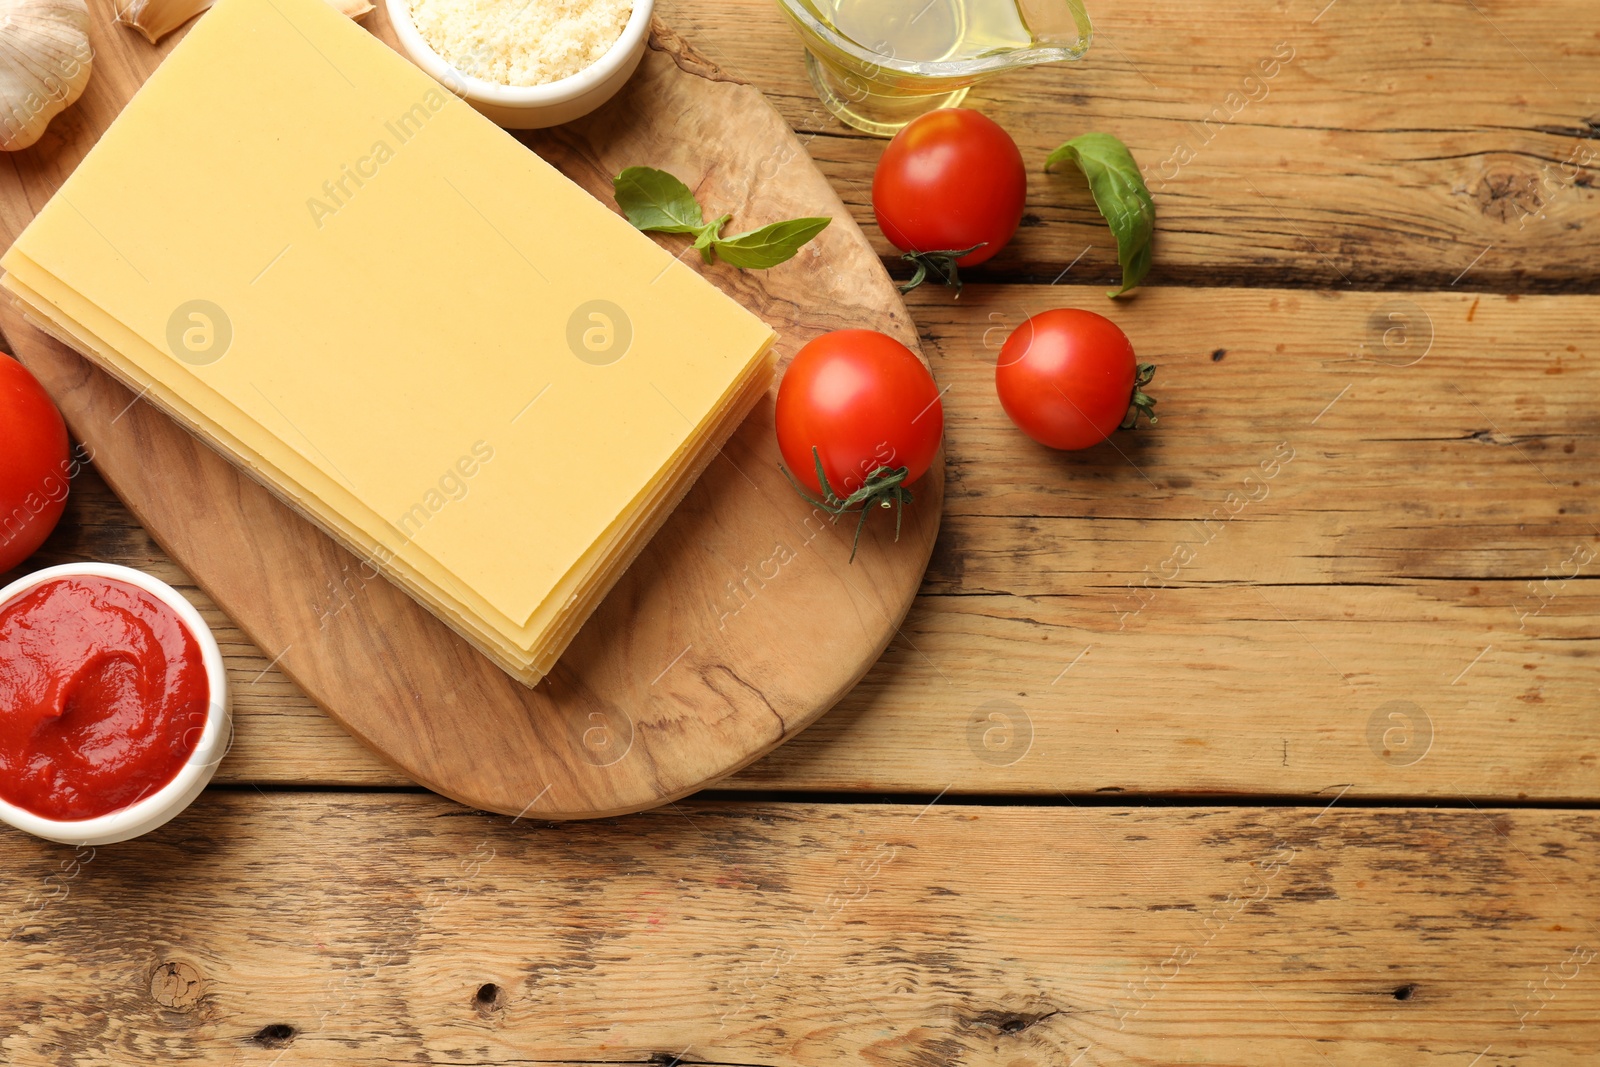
(176, 985)
(1508, 194)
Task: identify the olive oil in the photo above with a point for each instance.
(928, 31)
(878, 64)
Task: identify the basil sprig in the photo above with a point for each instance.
(655, 200)
(1120, 194)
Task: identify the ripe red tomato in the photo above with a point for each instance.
(1068, 378)
(34, 464)
(949, 180)
(863, 401)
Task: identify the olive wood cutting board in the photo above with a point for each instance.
(741, 622)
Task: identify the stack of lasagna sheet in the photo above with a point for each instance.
(404, 323)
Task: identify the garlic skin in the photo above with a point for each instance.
(45, 57)
(157, 18)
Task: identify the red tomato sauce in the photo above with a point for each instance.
(103, 697)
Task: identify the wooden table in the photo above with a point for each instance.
(1173, 761)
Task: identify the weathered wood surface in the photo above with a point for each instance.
(1431, 542)
(343, 929)
(1404, 613)
(692, 666)
(1401, 145)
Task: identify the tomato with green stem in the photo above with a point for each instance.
(949, 192)
(1069, 378)
(859, 420)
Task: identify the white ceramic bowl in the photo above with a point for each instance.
(532, 107)
(161, 806)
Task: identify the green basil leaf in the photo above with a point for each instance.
(769, 245)
(1120, 194)
(655, 200)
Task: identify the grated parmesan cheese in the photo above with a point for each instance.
(520, 42)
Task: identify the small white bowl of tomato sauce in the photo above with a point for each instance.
(113, 703)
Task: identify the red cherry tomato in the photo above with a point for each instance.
(1068, 378)
(863, 401)
(35, 465)
(949, 180)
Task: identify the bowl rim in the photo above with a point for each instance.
(561, 91)
(170, 798)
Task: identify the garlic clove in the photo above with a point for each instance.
(157, 18)
(45, 58)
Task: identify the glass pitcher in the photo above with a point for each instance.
(878, 64)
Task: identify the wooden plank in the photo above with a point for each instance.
(341, 929)
(1391, 692)
(1422, 554)
(1426, 435)
(1230, 690)
(1402, 143)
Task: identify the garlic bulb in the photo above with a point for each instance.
(157, 18)
(44, 65)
